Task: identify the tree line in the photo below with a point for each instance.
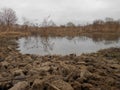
(8, 17)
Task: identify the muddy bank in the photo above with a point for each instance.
(95, 71)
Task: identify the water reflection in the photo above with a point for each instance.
(64, 45)
(47, 44)
(107, 38)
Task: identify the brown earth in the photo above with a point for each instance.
(95, 71)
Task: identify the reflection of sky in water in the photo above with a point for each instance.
(63, 45)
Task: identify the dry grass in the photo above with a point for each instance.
(60, 31)
(13, 34)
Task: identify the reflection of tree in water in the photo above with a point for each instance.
(31, 42)
(77, 39)
(108, 39)
(39, 42)
(47, 44)
(109, 42)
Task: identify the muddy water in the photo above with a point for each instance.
(64, 45)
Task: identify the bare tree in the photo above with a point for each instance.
(118, 21)
(1, 19)
(45, 22)
(26, 21)
(70, 24)
(109, 20)
(51, 23)
(98, 22)
(8, 16)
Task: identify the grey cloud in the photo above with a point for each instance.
(62, 11)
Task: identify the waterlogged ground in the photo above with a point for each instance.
(63, 45)
(94, 71)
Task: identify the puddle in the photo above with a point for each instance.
(63, 45)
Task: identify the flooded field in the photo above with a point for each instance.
(64, 45)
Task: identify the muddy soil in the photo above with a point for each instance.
(95, 71)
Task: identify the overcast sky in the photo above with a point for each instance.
(62, 11)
